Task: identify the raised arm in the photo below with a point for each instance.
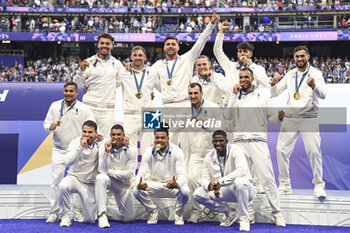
(82, 73)
(74, 152)
(278, 84)
(318, 85)
(200, 43)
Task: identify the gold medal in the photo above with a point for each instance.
(242, 58)
(203, 72)
(170, 82)
(59, 122)
(296, 95)
(139, 94)
(157, 147)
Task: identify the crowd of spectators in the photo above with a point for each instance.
(147, 24)
(334, 70)
(167, 3)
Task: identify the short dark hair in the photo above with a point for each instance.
(301, 47)
(172, 38)
(71, 84)
(163, 128)
(245, 45)
(247, 69)
(220, 133)
(193, 85)
(117, 126)
(105, 35)
(90, 124)
(138, 47)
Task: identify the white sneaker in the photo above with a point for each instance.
(66, 221)
(251, 218)
(179, 219)
(153, 217)
(244, 226)
(52, 218)
(195, 217)
(103, 221)
(285, 189)
(279, 220)
(260, 189)
(319, 191)
(231, 217)
(79, 217)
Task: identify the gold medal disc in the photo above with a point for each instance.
(59, 122)
(170, 82)
(157, 147)
(296, 95)
(139, 94)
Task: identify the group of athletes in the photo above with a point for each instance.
(213, 168)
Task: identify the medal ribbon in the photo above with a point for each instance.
(155, 152)
(302, 79)
(114, 151)
(170, 74)
(222, 168)
(245, 93)
(199, 112)
(138, 87)
(70, 108)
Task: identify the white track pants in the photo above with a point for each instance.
(158, 190)
(58, 169)
(70, 185)
(241, 191)
(122, 195)
(193, 176)
(290, 130)
(133, 129)
(259, 154)
(104, 118)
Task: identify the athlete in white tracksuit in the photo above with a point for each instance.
(234, 177)
(157, 169)
(71, 121)
(177, 71)
(244, 50)
(214, 84)
(251, 112)
(231, 68)
(117, 171)
(146, 78)
(83, 169)
(99, 73)
(301, 118)
(197, 140)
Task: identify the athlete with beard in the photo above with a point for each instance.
(64, 118)
(250, 109)
(305, 85)
(137, 88)
(176, 71)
